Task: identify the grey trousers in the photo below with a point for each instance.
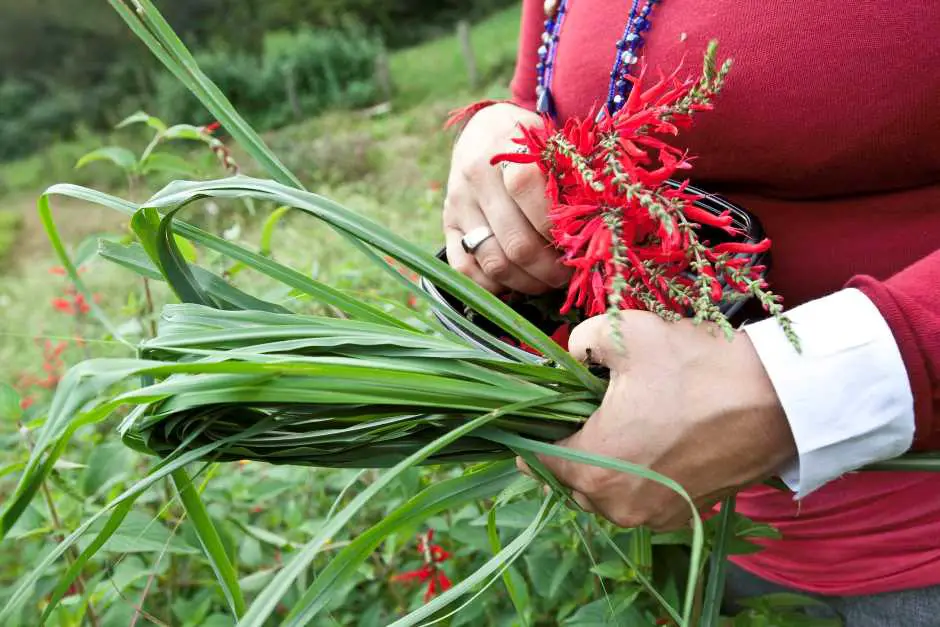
(908, 608)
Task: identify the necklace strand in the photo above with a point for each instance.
(628, 50)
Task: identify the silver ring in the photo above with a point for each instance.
(472, 240)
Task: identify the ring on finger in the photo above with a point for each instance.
(472, 240)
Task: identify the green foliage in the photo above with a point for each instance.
(296, 75)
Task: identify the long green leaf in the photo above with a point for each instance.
(288, 276)
(715, 590)
(211, 543)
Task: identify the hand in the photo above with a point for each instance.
(509, 199)
(684, 402)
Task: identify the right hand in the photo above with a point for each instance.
(509, 199)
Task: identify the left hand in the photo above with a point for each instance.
(682, 401)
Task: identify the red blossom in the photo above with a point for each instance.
(63, 305)
(629, 234)
(209, 129)
(26, 402)
(430, 572)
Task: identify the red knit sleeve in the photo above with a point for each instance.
(524, 79)
(910, 303)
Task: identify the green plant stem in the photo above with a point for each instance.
(150, 310)
(72, 553)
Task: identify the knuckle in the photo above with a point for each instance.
(495, 266)
(592, 481)
(474, 172)
(519, 181)
(521, 249)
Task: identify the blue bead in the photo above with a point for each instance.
(632, 37)
(540, 67)
(545, 104)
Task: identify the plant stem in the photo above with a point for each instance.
(150, 308)
(72, 552)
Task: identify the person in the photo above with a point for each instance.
(827, 131)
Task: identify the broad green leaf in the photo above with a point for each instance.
(185, 131)
(612, 569)
(121, 157)
(167, 163)
(140, 533)
(107, 464)
(516, 515)
(141, 117)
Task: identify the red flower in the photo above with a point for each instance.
(629, 235)
(63, 305)
(26, 402)
(430, 572)
(209, 129)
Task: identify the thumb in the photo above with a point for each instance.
(567, 472)
(592, 342)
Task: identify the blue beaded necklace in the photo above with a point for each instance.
(628, 48)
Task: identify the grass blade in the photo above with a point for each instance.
(211, 543)
(715, 590)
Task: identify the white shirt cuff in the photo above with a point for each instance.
(847, 396)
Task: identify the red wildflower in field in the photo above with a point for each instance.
(430, 572)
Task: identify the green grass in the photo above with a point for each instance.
(438, 69)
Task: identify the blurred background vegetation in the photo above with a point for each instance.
(69, 65)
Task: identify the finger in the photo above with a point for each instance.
(568, 473)
(583, 502)
(523, 245)
(496, 265)
(523, 467)
(590, 341)
(463, 262)
(526, 186)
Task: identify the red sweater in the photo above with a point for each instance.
(829, 131)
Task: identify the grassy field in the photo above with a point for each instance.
(391, 167)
